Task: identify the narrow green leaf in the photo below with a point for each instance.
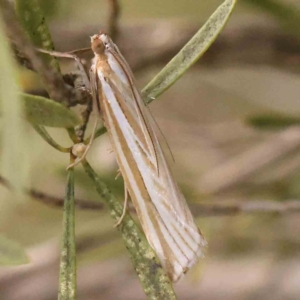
(11, 253)
(155, 283)
(67, 274)
(46, 137)
(190, 53)
(31, 17)
(46, 112)
(14, 142)
(272, 121)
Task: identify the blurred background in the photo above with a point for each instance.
(232, 124)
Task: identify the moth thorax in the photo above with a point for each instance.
(97, 46)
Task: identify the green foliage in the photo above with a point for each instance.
(31, 16)
(67, 275)
(11, 253)
(190, 53)
(46, 112)
(46, 136)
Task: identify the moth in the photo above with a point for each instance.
(161, 207)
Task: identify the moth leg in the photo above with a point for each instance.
(71, 55)
(118, 174)
(124, 206)
(110, 150)
(87, 148)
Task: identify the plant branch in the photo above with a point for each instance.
(246, 207)
(114, 13)
(85, 115)
(59, 202)
(46, 137)
(53, 201)
(199, 209)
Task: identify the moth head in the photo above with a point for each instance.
(97, 44)
(104, 38)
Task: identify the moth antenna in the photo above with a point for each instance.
(124, 206)
(162, 134)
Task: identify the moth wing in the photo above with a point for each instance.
(161, 207)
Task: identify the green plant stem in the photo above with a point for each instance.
(72, 135)
(155, 283)
(67, 275)
(46, 137)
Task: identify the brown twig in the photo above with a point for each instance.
(21, 58)
(59, 202)
(54, 201)
(246, 207)
(114, 13)
(201, 210)
(85, 116)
